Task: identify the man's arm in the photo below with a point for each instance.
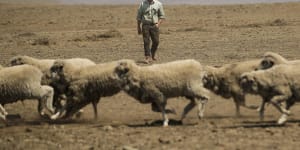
(139, 27)
(161, 16)
(139, 19)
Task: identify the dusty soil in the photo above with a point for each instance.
(213, 35)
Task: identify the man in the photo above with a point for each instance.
(150, 14)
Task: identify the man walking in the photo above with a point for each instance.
(150, 14)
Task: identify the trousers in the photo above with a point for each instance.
(150, 33)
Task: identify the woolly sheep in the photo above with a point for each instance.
(24, 82)
(45, 64)
(269, 60)
(87, 85)
(276, 85)
(224, 81)
(155, 84)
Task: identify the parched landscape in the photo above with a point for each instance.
(213, 35)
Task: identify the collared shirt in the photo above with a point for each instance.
(150, 13)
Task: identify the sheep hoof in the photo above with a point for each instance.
(55, 116)
(200, 117)
(79, 114)
(282, 119)
(166, 124)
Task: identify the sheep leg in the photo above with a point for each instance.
(237, 107)
(48, 98)
(261, 110)
(201, 108)
(3, 113)
(277, 100)
(3, 110)
(242, 101)
(94, 103)
(45, 96)
(161, 103)
(165, 117)
(159, 100)
(187, 109)
(282, 119)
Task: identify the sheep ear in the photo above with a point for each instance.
(267, 64)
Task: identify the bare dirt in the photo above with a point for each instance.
(213, 35)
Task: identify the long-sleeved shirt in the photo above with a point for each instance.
(150, 13)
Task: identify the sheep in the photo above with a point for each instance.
(24, 82)
(224, 81)
(86, 85)
(45, 64)
(270, 59)
(62, 72)
(157, 83)
(276, 85)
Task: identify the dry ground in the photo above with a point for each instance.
(213, 35)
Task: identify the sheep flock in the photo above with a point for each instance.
(63, 87)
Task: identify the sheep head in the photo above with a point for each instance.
(123, 71)
(248, 82)
(17, 60)
(209, 80)
(122, 68)
(57, 70)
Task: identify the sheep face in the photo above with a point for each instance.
(57, 70)
(210, 82)
(123, 72)
(248, 83)
(17, 60)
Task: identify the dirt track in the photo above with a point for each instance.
(213, 35)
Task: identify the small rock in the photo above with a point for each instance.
(108, 128)
(10, 139)
(164, 141)
(128, 148)
(28, 130)
(91, 148)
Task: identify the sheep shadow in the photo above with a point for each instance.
(257, 124)
(16, 120)
(230, 117)
(159, 123)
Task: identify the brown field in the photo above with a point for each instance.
(213, 35)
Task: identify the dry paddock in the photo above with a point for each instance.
(213, 35)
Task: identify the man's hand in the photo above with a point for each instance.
(139, 30)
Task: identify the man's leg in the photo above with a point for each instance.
(154, 33)
(146, 38)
